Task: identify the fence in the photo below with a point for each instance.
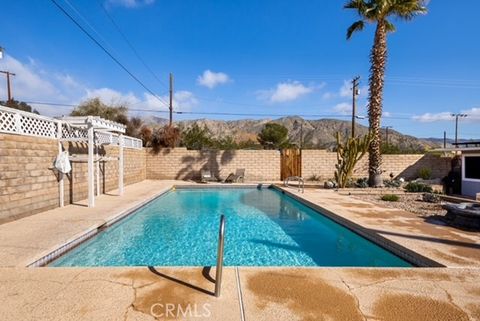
(13, 121)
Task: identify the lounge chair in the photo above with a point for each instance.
(239, 176)
(207, 176)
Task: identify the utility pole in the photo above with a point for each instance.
(9, 90)
(355, 93)
(171, 100)
(444, 139)
(456, 126)
(386, 133)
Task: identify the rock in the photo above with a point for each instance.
(330, 184)
(431, 198)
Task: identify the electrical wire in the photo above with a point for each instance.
(107, 52)
(180, 112)
(85, 20)
(129, 43)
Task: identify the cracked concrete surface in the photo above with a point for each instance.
(362, 294)
(267, 293)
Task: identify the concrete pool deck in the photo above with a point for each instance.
(253, 293)
(435, 294)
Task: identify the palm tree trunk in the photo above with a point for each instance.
(378, 59)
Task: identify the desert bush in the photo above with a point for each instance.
(390, 198)
(362, 182)
(415, 187)
(314, 178)
(167, 136)
(425, 173)
(393, 183)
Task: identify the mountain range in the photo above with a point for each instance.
(316, 133)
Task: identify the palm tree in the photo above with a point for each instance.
(378, 12)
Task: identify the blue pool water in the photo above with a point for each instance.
(263, 228)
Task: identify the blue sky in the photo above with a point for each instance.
(261, 57)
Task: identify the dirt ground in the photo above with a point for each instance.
(408, 202)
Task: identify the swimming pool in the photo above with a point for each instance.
(263, 228)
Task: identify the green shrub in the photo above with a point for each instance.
(390, 198)
(425, 173)
(415, 187)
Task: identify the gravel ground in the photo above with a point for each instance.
(408, 202)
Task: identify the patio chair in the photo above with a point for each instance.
(239, 176)
(207, 176)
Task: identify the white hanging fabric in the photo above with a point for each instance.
(62, 163)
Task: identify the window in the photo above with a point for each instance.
(472, 167)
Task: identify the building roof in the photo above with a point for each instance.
(456, 149)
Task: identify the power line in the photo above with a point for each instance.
(119, 30)
(85, 20)
(107, 52)
(180, 112)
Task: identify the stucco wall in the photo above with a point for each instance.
(28, 185)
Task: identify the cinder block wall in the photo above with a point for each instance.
(322, 164)
(180, 163)
(28, 185)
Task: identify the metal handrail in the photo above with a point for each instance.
(301, 182)
(221, 242)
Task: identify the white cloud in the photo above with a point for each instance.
(182, 100)
(212, 79)
(346, 90)
(343, 108)
(473, 115)
(111, 96)
(328, 95)
(28, 83)
(286, 91)
(32, 83)
(129, 3)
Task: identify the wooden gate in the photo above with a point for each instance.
(290, 163)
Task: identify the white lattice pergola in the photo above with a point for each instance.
(95, 131)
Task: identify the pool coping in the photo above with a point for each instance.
(404, 253)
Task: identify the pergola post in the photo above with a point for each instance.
(61, 191)
(91, 187)
(120, 164)
(97, 170)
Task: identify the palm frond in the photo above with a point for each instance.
(360, 5)
(390, 26)
(356, 26)
(407, 9)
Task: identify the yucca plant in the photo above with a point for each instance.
(379, 12)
